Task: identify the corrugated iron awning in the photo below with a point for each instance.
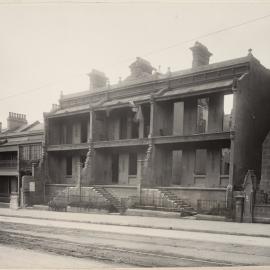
(71, 110)
(195, 89)
(10, 148)
(125, 101)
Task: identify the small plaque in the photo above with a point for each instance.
(32, 187)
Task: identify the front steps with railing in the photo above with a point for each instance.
(85, 197)
(163, 200)
(180, 204)
(116, 202)
(98, 196)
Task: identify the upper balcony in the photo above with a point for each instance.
(68, 130)
(65, 147)
(121, 143)
(9, 167)
(193, 119)
(8, 164)
(195, 138)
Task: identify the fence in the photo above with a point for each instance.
(212, 207)
(61, 202)
(154, 202)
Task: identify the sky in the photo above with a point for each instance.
(49, 46)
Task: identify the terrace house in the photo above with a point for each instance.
(194, 133)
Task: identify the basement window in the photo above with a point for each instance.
(69, 166)
(200, 161)
(132, 169)
(202, 114)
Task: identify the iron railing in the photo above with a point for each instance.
(212, 207)
(79, 201)
(8, 163)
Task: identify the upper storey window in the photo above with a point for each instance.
(227, 115)
(202, 114)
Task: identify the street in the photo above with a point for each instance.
(108, 245)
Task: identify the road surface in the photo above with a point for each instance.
(124, 246)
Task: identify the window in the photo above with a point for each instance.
(178, 118)
(35, 152)
(176, 166)
(132, 170)
(200, 161)
(82, 161)
(225, 161)
(134, 129)
(69, 166)
(84, 132)
(25, 152)
(227, 115)
(31, 152)
(202, 114)
(123, 126)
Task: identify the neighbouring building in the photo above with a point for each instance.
(189, 135)
(20, 151)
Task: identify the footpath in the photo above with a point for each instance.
(180, 224)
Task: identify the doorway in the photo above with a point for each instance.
(115, 168)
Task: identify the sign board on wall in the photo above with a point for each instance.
(32, 187)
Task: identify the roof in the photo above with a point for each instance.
(35, 126)
(29, 133)
(160, 77)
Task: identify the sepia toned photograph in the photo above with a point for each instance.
(135, 134)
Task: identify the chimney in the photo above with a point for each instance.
(140, 66)
(55, 107)
(15, 120)
(98, 79)
(201, 55)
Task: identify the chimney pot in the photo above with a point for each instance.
(201, 55)
(15, 120)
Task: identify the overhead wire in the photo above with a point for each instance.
(152, 52)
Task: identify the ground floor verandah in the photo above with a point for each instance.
(8, 185)
(204, 166)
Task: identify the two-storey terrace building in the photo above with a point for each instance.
(194, 132)
(20, 150)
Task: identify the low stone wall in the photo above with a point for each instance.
(84, 197)
(148, 196)
(52, 190)
(193, 194)
(84, 194)
(153, 197)
(122, 191)
(262, 213)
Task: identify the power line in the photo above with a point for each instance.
(155, 51)
(208, 34)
